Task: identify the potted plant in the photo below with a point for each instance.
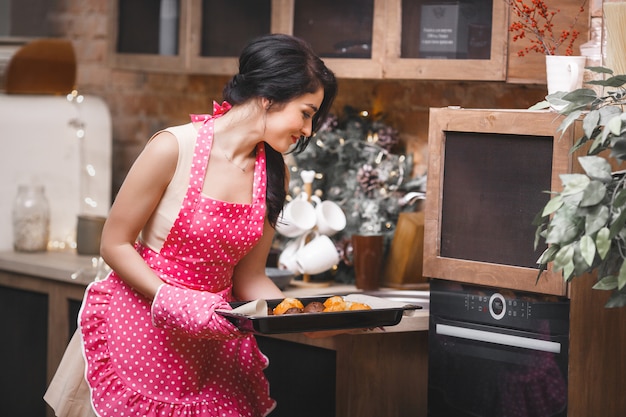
(585, 223)
(545, 30)
(535, 23)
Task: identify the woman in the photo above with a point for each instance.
(190, 230)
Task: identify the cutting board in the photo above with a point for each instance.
(403, 267)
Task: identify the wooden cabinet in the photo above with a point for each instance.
(597, 349)
(478, 217)
(37, 318)
(376, 374)
(478, 52)
(23, 351)
(301, 378)
(357, 39)
(188, 36)
(348, 35)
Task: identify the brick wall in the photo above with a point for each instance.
(142, 103)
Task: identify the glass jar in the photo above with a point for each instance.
(31, 219)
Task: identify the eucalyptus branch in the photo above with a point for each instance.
(618, 240)
(589, 215)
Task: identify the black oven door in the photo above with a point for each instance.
(482, 368)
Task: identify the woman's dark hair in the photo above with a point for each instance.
(281, 68)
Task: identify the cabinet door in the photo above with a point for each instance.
(441, 40)
(21, 20)
(347, 34)
(148, 34)
(301, 378)
(24, 326)
(222, 29)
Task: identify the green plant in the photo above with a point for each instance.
(585, 223)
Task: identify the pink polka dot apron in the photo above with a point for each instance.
(135, 369)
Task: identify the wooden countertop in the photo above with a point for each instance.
(55, 265)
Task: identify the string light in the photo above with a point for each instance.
(87, 170)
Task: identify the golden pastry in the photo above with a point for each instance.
(286, 304)
(358, 306)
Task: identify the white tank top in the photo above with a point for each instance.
(158, 226)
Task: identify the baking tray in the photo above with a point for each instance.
(311, 322)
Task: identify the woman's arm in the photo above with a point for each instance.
(250, 282)
(249, 279)
(136, 201)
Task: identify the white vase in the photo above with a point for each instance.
(564, 73)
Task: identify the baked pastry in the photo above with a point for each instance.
(353, 305)
(335, 303)
(331, 304)
(286, 304)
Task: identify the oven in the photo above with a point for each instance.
(496, 352)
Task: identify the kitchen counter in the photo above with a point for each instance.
(54, 265)
(80, 270)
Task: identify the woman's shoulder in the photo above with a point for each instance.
(162, 147)
(182, 137)
(180, 132)
(188, 129)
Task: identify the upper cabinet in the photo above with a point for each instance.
(148, 35)
(411, 39)
(348, 34)
(446, 40)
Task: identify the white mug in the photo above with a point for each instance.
(317, 256)
(296, 218)
(330, 217)
(287, 258)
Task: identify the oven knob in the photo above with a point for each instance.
(497, 306)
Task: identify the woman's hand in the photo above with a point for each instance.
(250, 282)
(192, 312)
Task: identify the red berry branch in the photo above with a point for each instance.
(535, 20)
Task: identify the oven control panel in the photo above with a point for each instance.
(497, 307)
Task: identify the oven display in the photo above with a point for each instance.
(497, 307)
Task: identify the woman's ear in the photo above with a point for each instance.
(266, 103)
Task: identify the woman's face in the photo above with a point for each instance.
(286, 124)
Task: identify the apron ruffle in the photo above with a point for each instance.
(114, 395)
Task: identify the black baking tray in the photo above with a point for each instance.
(311, 322)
